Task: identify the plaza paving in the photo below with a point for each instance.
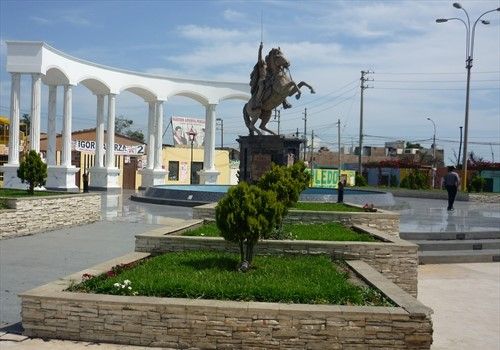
(465, 297)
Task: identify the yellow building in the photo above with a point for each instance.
(177, 160)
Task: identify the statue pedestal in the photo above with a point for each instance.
(259, 152)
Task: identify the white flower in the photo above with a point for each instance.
(127, 282)
(123, 286)
(117, 285)
(129, 288)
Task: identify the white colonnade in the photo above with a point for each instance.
(55, 69)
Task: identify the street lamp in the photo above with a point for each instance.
(220, 122)
(433, 153)
(192, 135)
(469, 56)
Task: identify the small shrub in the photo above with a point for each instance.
(33, 171)
(360, 180)
(394, 181)
(245, 215)
(416, 180)
(478, 183)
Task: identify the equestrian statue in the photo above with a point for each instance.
(271, 83)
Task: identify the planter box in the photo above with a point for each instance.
(49, 311)
(383, 220)
(37, 214)
(395, 258)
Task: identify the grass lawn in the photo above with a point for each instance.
(325, 207)
(332, 231)
(213, 275)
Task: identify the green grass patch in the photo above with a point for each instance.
(13, 193)
(331, 231)
(326, 207)
(214, 275)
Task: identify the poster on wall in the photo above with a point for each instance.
(181, 126)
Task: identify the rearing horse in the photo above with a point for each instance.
(278, 85)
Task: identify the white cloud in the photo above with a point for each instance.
(41, 20)
(231, 15)
(209, 34)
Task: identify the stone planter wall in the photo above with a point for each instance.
(49, 311)
(383, 220)
(395, 258)
(38, 214)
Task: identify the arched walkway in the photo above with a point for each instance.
(55, 68)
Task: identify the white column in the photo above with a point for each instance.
(159, 135)
(51, 126)
(110, 132)
(36, 91)
(99, 133)
(66, 132)
(151, 135)
(209, 152)
(209, 174)
(15, 93)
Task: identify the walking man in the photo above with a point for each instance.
(451, 183)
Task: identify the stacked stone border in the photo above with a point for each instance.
(38, 214)
(50, 311)
(393, 257)
(383, 220)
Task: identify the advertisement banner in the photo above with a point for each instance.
(181, 126)
(90, 146)
(329, 178)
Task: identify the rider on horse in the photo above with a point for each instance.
(257, 78)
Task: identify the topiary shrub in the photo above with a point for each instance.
(32, 170)
(245, 215)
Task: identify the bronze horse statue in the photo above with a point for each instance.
(277, 86)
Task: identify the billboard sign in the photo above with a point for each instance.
(181, 126)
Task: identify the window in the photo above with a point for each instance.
(173, 171)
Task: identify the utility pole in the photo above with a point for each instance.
(312, 148)
(305, 133)
(459, 148)
(277, 115)
(338, 136)
(363, 87)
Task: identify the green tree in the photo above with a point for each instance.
(286, 182)
(245, 215)
(123, 127)
(32, 170)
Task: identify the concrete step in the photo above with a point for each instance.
(420, 236)
(470, 244)
(458, 256)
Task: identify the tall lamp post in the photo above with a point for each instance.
(469, 56)
(433, 153)
(192, 135)
(220, 122)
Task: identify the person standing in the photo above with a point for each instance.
(451, 183)
(340, 190)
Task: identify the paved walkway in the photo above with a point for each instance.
(465, 297)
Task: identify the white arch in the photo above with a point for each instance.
(58, 68)
(38, 57)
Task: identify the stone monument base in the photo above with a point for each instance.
(259, 152)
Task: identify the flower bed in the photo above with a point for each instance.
(50, 311)
(395, 258)
(383, 220)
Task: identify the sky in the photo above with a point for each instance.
(418, 65)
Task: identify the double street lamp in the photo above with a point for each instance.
(433, 153)
(192, 135)
(469, 56)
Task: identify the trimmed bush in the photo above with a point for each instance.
(360, 180)
(478, 183)
(32, 170)
(245, 215)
